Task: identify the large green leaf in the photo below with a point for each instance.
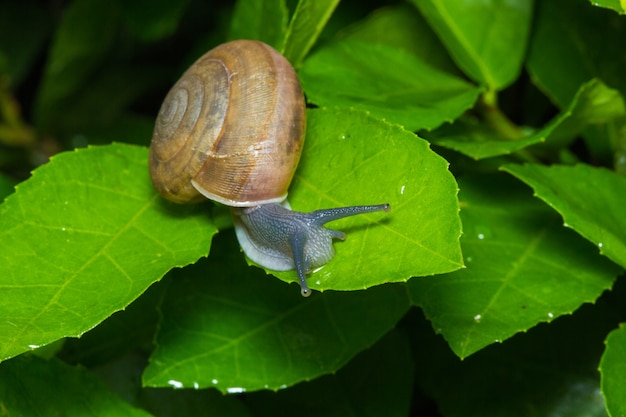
(31, 386)
(487, 39)
(591, 201)
(613, 371)
(523, 268)
(594, 103)
(403, 27)
(357, 74)
(228, 326)
(352, 158)
(82, 239)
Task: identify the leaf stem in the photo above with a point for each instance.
(496, 119)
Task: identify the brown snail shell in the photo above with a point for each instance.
(231, 129)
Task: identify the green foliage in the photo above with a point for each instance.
(496, 130)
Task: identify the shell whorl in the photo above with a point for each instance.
(231, 128)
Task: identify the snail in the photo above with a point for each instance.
(232, 130)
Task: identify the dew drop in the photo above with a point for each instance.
(402, 184)
(551, 315)
(175, 384)
(600, 244)
(235, 390)
(477, 318)
(33, 346)
(196, 385)
(483, 232)
(214, 381)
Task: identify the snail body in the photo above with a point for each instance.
(232, 130)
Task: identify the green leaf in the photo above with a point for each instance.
(591, 201)
(549, 371)
(618, 5)
(594, 103)
(574, 42)
(479, 141)
(263, 20)
(229, 326)
(305, 27)
(152, 20)
(487, 39)
(523, 268)
(401, 26)
(353, 390)
(347, 160)
(78, 241)
(31, 386)
(613, 371)
(356, 74)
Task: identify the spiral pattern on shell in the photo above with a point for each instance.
(231, 129)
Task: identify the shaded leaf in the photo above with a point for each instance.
(487, 39)
(78, 242)
(6, 186)
(31, 386)
(305, 27)
(123, 334)
(24, 27)
(85, 35)
(152, 20)
(263, 20)
(345, 155)
(356, 74)
(523, 268)
(613, 371)
(574, 42)
(166, 402)
(229, 326)
(353, 390)
(579, 193)
(549, 371)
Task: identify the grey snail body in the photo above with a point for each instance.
(232, 130)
